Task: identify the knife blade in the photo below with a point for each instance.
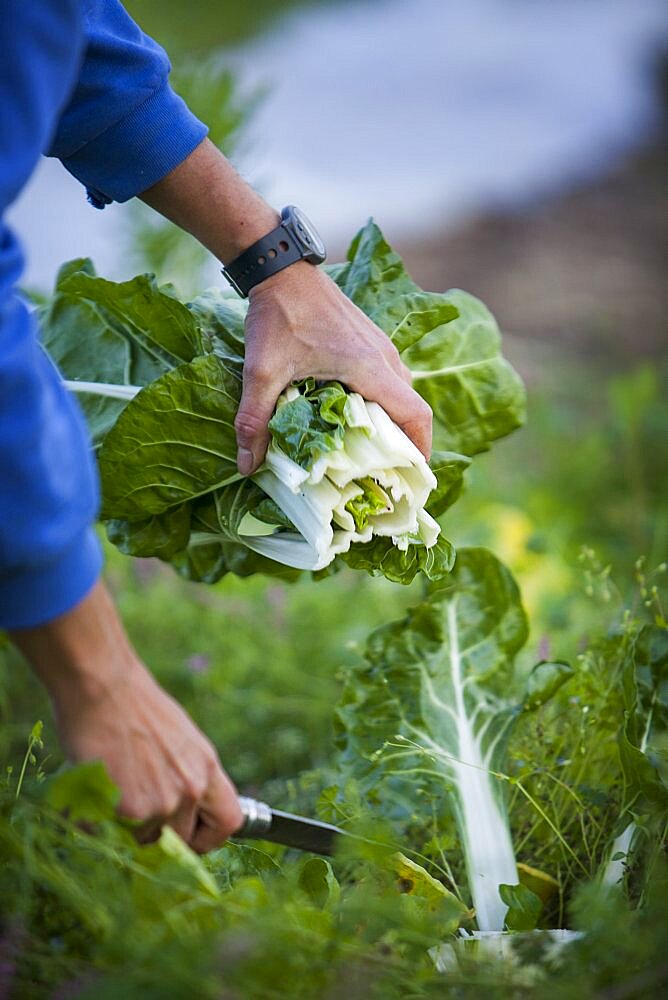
(261, 822)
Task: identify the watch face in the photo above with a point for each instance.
(306, 233)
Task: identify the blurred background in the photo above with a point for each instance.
(510, 147)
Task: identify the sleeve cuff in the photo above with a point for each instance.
(139, 150)
(34, 596)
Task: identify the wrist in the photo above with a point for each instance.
(293, 240)
(285, 281)
(242, 230)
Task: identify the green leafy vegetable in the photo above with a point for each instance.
(160, 385)
(524, 907)
(432, 708)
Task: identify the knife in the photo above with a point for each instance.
(261, 822)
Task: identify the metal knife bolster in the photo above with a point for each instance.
(257, 818)
(263, 823)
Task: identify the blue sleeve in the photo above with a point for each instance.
(49, 557)
(124, 128)
(80, 80)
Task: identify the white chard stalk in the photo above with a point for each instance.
(376, 458)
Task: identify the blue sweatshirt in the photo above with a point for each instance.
(79, 81)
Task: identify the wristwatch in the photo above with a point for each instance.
(294, 239)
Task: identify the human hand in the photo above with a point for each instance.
(167, 771)
(300, 324)
(108, 707)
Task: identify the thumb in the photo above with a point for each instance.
(220, 814)
(258, 401)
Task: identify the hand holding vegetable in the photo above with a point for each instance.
(299, 322)
(108, 707)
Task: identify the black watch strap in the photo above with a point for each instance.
(265, 257)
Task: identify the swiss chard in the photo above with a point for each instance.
(160, 385)
(432, 707)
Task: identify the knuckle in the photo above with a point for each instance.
(368, 359)
(257, 373)
(228, 829)
(421, 409)
(427, 412)
(248, 424)
(193, 790)
(230, 823)
(170, 804)
(134, 811)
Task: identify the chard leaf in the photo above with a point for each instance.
(310, 425)
(161, 535)
(450, 342)
(475, 395)
(377, 281)
(524, 907)
(416, 315)
(380, 557)
(268, 511)
(372, 500)
(173, 442)
(202, 563)
(216, 547)
(449, 469)
(374, 273)
(86, 348)
(126, 333)
(221, 321)
(160, 326)
(318, 881)
(208, 563)
(431, 709)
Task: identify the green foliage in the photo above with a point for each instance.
(99, 914)
(167, 456)
(89, 913)
(524, 907)
(429, 714)
(450, 342)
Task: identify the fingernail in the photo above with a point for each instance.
(245, 461)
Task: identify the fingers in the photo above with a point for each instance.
(219, 815)
(408, 409)
(205, 824)
(261, 389)
(184, 821)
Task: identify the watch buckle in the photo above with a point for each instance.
(228, 277)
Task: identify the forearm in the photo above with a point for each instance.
(80, 654)
(206, 196)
